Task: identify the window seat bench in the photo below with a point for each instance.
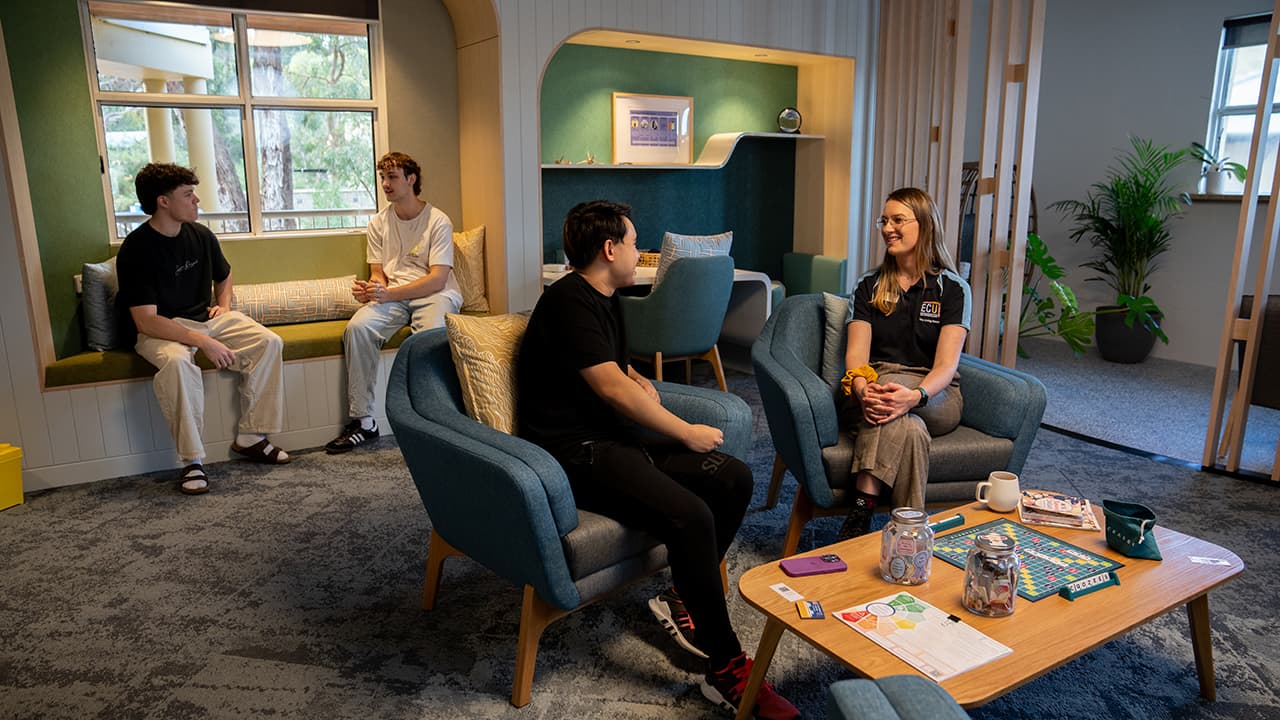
(302, 341)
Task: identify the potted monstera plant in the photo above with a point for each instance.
(1125, 218)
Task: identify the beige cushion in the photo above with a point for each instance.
(468, 267)
(676, 246)
(296, 301)
(484, 352)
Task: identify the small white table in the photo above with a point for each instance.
(749, 304)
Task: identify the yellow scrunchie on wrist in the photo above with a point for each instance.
(866, 371)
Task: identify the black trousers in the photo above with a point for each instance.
(692, 502)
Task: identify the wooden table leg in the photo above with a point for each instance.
(1201, 645)
(764, 655)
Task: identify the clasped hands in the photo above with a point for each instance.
(370, 291)
(882, 402)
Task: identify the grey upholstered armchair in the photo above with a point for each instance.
(1002, 411)
(506, 503)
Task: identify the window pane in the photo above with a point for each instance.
(316, 168)
(1237, 136)
(146, 56)
(1245, 79)
(289, 63)
(208, 141)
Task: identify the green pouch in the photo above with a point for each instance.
(1131, 529)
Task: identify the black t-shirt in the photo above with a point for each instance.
(176, 274)
(909, 335)
(573, 327)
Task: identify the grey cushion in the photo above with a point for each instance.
(600, 542)
(98, 301)
(962, 454)
(834, 337)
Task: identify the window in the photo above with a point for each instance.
(1235, 97)
(277, 115)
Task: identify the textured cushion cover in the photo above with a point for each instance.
(834, 337)
(484, 353)
(468, 268)
(677, 246)
(296, 301)
(899, 697)
(99, 285)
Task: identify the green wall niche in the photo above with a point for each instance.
(728, 96)
(55, 120)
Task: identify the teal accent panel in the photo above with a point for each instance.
(55, 119)
(728, 96)
(753, 195)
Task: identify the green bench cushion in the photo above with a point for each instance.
(301, 341)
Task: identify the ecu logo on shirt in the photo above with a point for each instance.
(931, 310)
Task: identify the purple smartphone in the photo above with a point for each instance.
(799, 567)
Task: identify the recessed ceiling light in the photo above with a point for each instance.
(762, 54)
(633, 42)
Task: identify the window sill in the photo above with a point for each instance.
(281, 235)
(1198, 197)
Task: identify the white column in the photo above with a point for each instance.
(200, 149)
(159, 126)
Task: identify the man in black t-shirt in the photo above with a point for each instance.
(175, 284)
(576, 388)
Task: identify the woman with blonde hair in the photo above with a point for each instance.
(907, 324)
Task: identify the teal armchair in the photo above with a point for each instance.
(506, 503)
(681, 319)
(1002, 412)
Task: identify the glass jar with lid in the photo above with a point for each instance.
(906, 547)
(991, 573)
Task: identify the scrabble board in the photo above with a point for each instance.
(1048, 564)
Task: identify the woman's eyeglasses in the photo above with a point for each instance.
(896, 221)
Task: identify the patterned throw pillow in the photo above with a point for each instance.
(484, 352)
(296, 301)
(677, 246)
(468, 267)
(98, 285)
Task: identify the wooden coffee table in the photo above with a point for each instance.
(1044, 635)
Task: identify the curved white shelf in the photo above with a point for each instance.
(715, 154)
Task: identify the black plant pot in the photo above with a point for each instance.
(1118, 342)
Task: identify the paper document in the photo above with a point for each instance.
(928, 639)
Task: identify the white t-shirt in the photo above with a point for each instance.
(406, 249)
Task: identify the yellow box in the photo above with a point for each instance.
(10, 475)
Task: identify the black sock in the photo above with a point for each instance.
(866, 501)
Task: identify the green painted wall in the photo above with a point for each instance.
(55, 119)
(728, 96)
(297, 258)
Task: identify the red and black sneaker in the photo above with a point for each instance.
(724, 687)
(670, 611)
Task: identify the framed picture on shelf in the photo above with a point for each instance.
(652, 129)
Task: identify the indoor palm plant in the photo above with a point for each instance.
(1125, 218)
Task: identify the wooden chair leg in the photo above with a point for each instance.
(775, 481)
(688, 371)
(657, 367)
(535, 615)
(713, 356)
(724, 576)
(437, 552)
(801, 513)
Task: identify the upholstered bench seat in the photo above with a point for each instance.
(302, 341)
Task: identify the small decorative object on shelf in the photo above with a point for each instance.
(591, 158)
(789, 120)
(562, 160)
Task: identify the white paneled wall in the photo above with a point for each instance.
(531, 32)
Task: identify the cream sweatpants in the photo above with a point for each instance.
(180, 388)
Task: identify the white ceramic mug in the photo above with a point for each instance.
(1002, 491)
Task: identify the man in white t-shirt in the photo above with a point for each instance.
(410, 255)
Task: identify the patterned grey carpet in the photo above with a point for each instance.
(294, 592)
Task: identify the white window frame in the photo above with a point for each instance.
(245, 103)
(1219, 110)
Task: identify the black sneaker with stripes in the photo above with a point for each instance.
(352, 436)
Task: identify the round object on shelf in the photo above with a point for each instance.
(789, 120)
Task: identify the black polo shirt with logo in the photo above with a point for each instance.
(909, 335)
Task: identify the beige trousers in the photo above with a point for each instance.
(897, 452)
(180, 388)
